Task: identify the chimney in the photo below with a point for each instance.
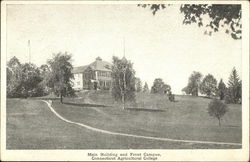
(98, 59)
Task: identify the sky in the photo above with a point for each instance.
(159, 46)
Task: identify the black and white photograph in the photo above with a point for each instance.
(123, 77)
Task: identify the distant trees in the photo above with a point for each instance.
(60, 75)
(160, 87)
(123, 80)
(194, 82)
(222, 89)
(217, 109)
(230, 93)
(234, 89)
(138, 85)
(208, 85)
(145, 88)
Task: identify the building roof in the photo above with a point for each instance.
(79, 69)
(98, 64)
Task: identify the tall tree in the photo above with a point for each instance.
(145, 88)
(221, 90)
(47, 82)
(221, 16)
(61, 74)
(193, 84)
(209, 85)
(14, 77)
(30, 80)
(234, 88)
(123, 80)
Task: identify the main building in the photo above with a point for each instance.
(96, 75)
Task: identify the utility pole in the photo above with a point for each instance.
(124, 86)
(29, 50)
(124, 47)
(124, 74)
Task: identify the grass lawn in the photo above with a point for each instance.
(31, 125)
(187, 118)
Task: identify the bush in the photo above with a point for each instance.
(228, 99)
(171, 97)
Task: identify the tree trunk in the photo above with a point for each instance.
(219, 121)
(124, 91)
(123, 101)
(61, 98)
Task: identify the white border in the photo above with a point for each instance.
(167, 154)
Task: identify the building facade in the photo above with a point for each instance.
(96, 75)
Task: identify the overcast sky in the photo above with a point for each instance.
(159, 46)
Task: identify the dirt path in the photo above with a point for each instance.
(132, 135)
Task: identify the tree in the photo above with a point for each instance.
(233, 94)
(160, 87)
(193, 84)
(61, 75)
(14, 77)
(209, 85)
(166, 89)
(217, 109)
(157, 85)
(47, 82)
(23, 80)
(44, 70)
(221, 90)
(145, 88)
(123, 80)
(171, 97)
(186, 90)
(30, 81)
(138, 84)
(227, 16)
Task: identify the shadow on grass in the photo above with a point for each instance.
(143, 109)
(84, 104)
(44, 98)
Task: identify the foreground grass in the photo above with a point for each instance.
(31, 125)
(186, 119)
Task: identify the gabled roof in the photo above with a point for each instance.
(101, 65)
(79, 69)
(98, 64)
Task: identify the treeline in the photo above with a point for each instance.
(28, 80)
(208, 86)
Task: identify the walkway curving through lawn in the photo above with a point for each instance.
(132, 135)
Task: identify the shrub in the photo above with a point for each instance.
(171, 97)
